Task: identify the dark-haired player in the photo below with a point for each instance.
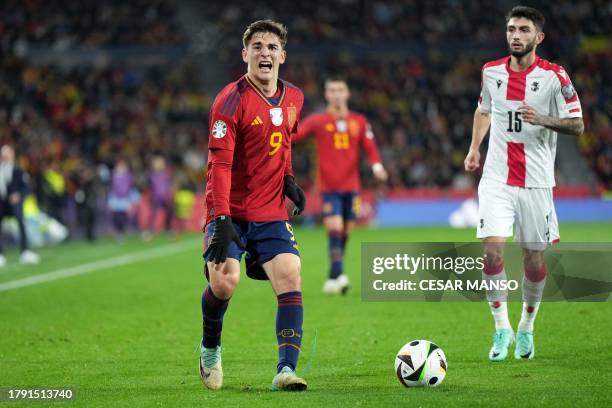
(249, 175)
(340, 134)
(526, 101)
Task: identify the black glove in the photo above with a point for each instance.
(222, 238)
(295, 194)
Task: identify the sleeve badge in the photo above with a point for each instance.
(568, 91)
(219, 129)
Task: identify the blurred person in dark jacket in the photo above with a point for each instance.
(13, 189)
(86, 198)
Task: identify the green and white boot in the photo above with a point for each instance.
(211, 372)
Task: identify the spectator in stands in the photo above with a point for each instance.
(121, 199)
(54, 191)
(184, 201)
(160, 183)
(86, 198)
(13, 190)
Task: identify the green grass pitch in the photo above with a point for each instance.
(126, 333)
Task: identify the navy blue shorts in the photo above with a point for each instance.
(346, 205)
(263, 241)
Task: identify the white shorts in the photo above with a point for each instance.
(530, 210)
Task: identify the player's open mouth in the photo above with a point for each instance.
(517, 44)
(265, 66)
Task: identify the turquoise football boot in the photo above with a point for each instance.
(525, 350)
(502, 340)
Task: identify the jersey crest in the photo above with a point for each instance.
(291, 115)
(276, 114)
(353, 128)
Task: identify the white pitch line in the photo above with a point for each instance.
(145, 255)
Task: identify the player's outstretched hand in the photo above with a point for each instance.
(222, 238)
(295, 194)
(472, 160)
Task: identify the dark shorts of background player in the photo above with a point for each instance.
(263, 241)
(346, 204)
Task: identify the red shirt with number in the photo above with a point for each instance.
(339, 141)
(250, 151)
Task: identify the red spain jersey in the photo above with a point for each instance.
(339, 141)
(250, 151)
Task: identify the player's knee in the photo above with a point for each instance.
(534, 266)
(333, 224)
(224, 289)
(224, 286)
(494, 255)
(290, 276)
(533, 259)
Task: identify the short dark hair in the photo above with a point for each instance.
(335, 78)
(529, 13)
(265, 26)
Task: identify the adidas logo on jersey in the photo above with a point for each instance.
(257, 121)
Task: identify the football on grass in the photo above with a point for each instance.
(420, 363)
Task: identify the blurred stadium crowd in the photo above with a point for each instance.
(61, 24)
(413, 70)
(434, 22)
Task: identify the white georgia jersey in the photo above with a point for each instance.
(521, 154)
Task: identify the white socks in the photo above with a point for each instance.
(499, 310)
(497, 301)
(532, 295)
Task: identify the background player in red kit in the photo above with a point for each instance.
(249, 175)
(340, 134)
